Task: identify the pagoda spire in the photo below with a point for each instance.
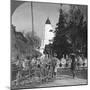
(48, 21)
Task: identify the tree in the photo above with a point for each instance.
(61, 23)
(71, 34)
(33, 40)
(23, 46)
(60, 44)
(78, 32)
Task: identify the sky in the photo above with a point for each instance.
(21, 17)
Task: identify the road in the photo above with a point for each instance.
(65, 80)
(61, 80)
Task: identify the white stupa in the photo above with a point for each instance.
(48, 35)
(48, 32)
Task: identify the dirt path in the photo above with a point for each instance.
(65, 80)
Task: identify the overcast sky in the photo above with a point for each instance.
(21, 18)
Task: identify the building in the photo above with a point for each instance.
(48, 35)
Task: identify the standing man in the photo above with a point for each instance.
(73, 65)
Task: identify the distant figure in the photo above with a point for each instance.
(33, 61)
(54, 63)
(57, 66)
(63, 61)
(73, 65)
(80, 61)
(25, 64)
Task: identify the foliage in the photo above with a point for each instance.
(70, 34)
(60, 44)
(23, 46)
(79, 33)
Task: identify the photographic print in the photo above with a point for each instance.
(48, 44)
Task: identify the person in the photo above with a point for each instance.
(54, 65)
(57, 66)
(63, 61)
(73, 65)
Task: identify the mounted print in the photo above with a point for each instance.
(48, 44)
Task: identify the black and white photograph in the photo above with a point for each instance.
(49, 44)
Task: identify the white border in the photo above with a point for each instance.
(84, 2)
(5, 43)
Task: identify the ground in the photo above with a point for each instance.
(64, 80)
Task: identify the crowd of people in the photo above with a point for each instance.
(46, 67)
